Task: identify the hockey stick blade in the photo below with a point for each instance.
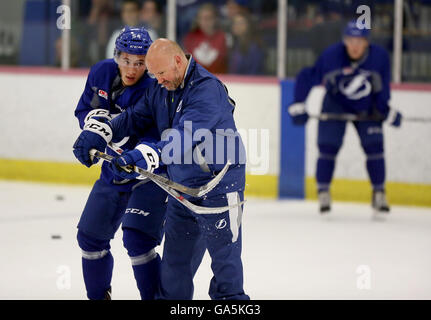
(194, 192)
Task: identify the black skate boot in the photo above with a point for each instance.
(324, 201)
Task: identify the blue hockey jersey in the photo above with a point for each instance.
(361, 86)
(197, 126)
(104, 90)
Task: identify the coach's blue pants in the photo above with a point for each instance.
(188, 235)
(142, 214)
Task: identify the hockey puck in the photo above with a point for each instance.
(55, 236)
(59, 197)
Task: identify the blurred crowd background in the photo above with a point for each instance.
(226, 36)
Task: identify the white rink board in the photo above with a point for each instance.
(258, 108)
(38, 116)
(289, 251)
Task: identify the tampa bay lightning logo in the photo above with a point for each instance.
(356, 87)
(180, 106)
(220, 224)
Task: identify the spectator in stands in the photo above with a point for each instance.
(329, 22)
(98, 22)
(232, 8)
(130, 12)
(152, 19)
(187, 10)
(75, 50)
(206, 42)
(246, 55)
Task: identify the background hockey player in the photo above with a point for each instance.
(356, 75)
(113, 85)
(191, 99)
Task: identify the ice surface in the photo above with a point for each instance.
(289, 251)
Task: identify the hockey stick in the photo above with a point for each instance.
(193, 207)
(342, 117)
(416, 119)
(195, 192)
(354, 117)
(171, 191)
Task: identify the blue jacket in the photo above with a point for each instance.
(104, 90)
(195, 122)
(361, 86)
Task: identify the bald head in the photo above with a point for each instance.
(164, 46)
(167, 62)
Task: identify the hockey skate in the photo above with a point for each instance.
(324, 202)
(379, 204)
(108, 295)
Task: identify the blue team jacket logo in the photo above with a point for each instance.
(355, 88)
(220, 224)
(180, 106)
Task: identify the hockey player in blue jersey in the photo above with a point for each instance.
(356, 75)
(191, 102)
(114, 85)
